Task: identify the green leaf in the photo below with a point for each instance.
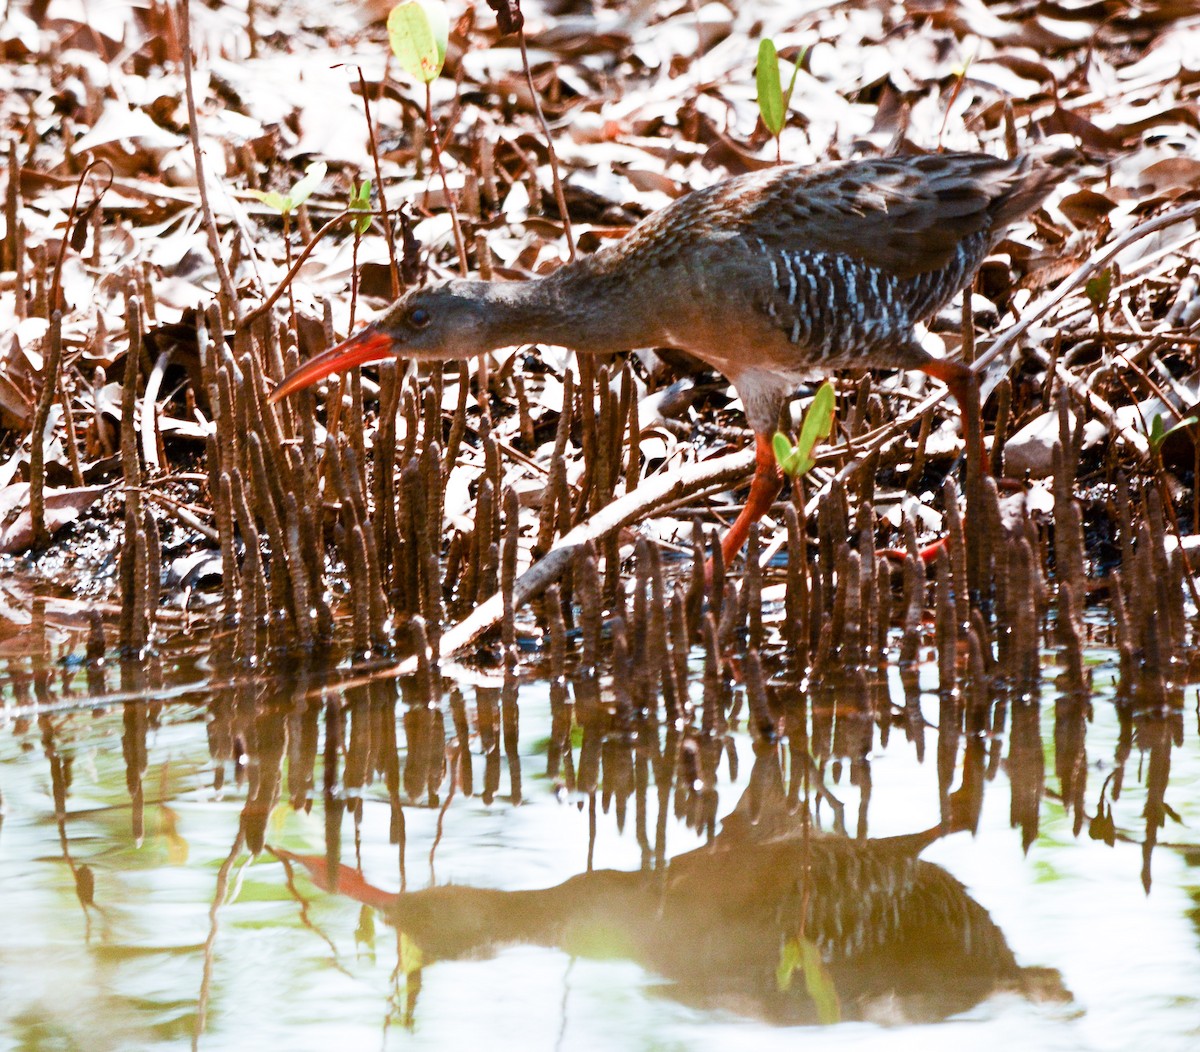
(787, 95)
(818, 421)
(783, 449)
(360, 201)
(286, 204)
(418, 31)
(1098, 288)
(1159, 433)
(281, 203)
(303, 190)
(770, 93)
(817, 424)
(788, 457)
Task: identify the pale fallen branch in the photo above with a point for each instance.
(149, 428)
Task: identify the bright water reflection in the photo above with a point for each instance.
(161, 800)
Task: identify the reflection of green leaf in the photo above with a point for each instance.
(789, 961)
(802, 955)
(364, 934)
(286, 204)
(360, 201)
(412, 960)
(418, 31)
(819, 983)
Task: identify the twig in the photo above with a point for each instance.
(176, 509)
(560, 197)
(69, 226)
(1056, 296)
(436, 150)
(387, 219)
(290, 276)
(210, 223)
(37, 439)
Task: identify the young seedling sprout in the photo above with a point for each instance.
(797, 460)
(773, 101)
(285, 205)
(419, 31)
(360, 222)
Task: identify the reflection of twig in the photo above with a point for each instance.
(81, 875)
(824, 793)
(213, 911)
(305, 918)
(562, 1007)
(453, 749)
(210, 223)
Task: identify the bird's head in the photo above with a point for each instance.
(457, 319)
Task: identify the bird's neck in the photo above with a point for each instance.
(573, 307)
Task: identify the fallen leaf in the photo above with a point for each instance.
(62, 506)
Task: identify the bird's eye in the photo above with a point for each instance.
(419, 317)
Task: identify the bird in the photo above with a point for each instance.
(772, 278)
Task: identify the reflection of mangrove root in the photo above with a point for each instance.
(899, 938)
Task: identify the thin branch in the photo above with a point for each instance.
(387, 219)
(210, 223)
(560, 196)
(37, 437)
(290, 276)
(436, 150)
(1079, 278)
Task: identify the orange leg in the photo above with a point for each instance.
(963, 383)
(768, 480)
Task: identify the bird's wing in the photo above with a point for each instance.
(906, 216)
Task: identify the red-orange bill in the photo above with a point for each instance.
(370, 345)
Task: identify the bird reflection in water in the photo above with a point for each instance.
(770, 920)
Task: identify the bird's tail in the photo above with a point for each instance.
(1035, 174)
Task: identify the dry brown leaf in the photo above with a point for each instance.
(62, 506)
(1171, 172)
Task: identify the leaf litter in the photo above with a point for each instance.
(644, 101)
